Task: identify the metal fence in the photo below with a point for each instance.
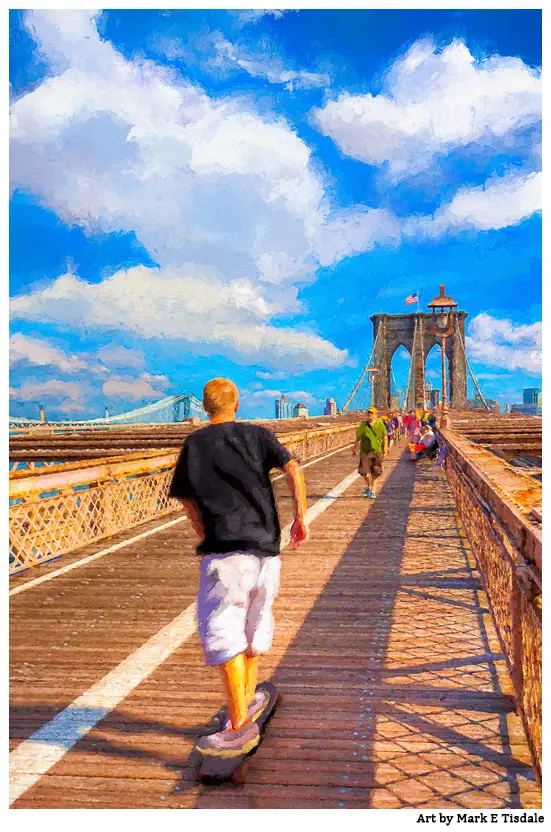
(496, 512)
(76, 504)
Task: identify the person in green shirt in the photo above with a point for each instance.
(372, 439)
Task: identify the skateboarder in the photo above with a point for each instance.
(222, 481)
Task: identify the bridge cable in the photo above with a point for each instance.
(423, 371)
(358, 384)
(410, 364)
(475, 382)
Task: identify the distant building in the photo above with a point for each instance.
(528, 409)
(477, 403)
(433, 398)
(532, 396)
(531, 402)
(507, 408)
(330, 408)
(283, 408)
(300, 410)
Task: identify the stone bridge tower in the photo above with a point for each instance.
(393, 331)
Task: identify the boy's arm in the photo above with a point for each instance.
(295, 480)
(194, 517)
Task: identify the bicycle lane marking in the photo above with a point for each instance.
(45, 747)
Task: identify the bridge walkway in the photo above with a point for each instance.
(395, 692)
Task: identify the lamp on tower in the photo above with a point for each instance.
(371, 377)
(442, 325)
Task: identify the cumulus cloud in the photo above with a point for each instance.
(432, 102)
(41, 353)
(129, 389)
(500, 202)
(498, 342)
(115, 355)
(209, 185)
(180, 305)
(67, 396)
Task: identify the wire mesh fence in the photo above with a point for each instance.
(70, 507)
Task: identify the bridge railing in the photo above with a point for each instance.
(500, 510)
(72, 505)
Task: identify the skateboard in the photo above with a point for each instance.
(215, 769)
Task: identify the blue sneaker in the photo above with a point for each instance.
(371, 495)
(366, 493)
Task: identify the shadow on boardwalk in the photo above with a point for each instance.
(393, 695)
(391, 690)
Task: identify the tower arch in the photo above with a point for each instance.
(412, 332)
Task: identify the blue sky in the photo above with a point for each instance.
(200, 193)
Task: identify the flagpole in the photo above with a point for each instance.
(418, 296)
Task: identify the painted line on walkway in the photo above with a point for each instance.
(45, 747)
(90, 558)
(313, 461)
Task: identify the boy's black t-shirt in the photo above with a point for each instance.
(224, 469)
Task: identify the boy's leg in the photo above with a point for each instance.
(259, 627)
(251, 676)
(235, 678)
(224, 587)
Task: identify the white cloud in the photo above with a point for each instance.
(161, 381)
(115, 355)
(208, 186)
(433, 101)
(128, 389)
(355, 231)
(41, 353)
(273, 375)
(265, 64)
(499, 342)
(499, 203)
(67, 396)
(178, 304)
(247, 17)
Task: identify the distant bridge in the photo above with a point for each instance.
(169, 409)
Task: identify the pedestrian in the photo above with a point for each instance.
(396, 424)
(222, 481)
(409, 421)
(426, 440)
(372, 439)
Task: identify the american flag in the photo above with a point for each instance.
(414, 298)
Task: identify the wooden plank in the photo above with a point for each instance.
(395, 693)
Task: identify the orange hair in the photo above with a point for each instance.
(219, 396)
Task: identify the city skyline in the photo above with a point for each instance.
(262, 185)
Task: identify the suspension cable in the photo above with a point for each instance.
(361, 378)
(410, 364)
(468, 363)
(423, 371)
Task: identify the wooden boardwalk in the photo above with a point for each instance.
(395, 692)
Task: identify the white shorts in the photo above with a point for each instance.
(234, 606)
